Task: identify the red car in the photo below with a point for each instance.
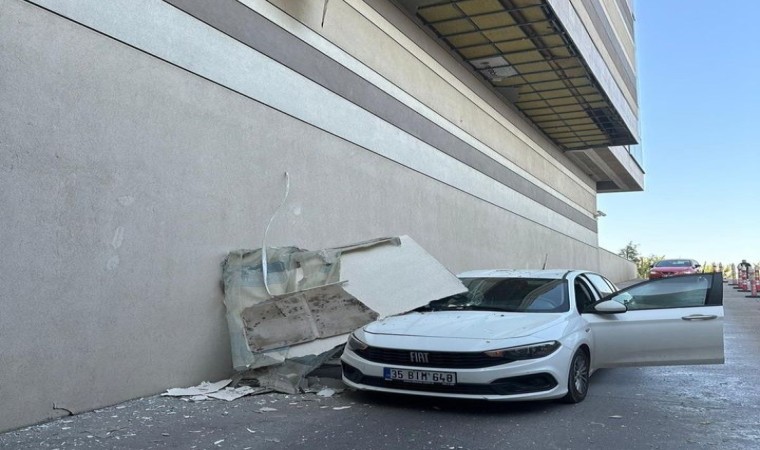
(672, 267)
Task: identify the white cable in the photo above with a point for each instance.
(264, 241)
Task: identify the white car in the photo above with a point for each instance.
(528, 335)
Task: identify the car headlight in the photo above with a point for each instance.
(355, 344)
(532, 351)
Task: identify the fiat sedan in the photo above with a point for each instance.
(525, 335)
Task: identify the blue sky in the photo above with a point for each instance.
(699, 97)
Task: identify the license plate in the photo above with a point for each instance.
(420, 376)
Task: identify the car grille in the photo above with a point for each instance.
(441, 360)
(505, 386)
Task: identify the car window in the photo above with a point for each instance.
(600, 284)
(674, 263)
(583, 295)
(677, 292)
(611, 284)
(509, 294)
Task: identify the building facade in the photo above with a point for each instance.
(142, 140)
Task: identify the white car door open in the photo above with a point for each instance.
(669, 321)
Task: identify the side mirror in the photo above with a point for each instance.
(698, 266)
(610, 307)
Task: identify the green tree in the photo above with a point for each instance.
(645, 263)
(630, 252)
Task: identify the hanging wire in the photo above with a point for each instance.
(264, 241)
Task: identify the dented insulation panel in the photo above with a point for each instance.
(303, 316)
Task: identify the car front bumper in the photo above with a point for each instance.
(536, 379)
(657, 275)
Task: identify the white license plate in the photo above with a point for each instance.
(420, 376)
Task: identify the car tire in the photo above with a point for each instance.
(578, 377)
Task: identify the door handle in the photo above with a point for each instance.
(699, 317)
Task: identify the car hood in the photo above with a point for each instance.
(465, 324)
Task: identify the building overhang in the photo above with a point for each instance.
(540, 58)
(613, 168)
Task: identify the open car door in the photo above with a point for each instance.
(668, 321)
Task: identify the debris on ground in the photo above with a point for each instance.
(289, 311)
(267, 409)
(326, 392)
(219, 390)
(229, 394)
(202, 389)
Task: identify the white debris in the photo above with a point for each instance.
(195, 398)
(326, 392)
(230, 394)
(202, 389)
(338, 408)
(267, 409)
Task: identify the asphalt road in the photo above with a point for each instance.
(689, 407)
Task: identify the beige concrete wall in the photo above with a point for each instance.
(623, 37)
(359, 30)
(126, 179)
(615, 268)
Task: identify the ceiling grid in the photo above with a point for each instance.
(521, 49)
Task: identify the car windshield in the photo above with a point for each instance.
(508, 294)
(674, 263)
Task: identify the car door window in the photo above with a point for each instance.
(600, 284)
(668, 321)
(611, 285)
(675, 292)
(584, 296)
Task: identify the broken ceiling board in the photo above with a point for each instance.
(303, 316)
(314, 347)
(394, 279)
(289, 377)
(385, 276)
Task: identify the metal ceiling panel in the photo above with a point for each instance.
(521, 49)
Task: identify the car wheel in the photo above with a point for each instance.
(577, 380)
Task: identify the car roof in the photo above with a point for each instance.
(519, 273)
